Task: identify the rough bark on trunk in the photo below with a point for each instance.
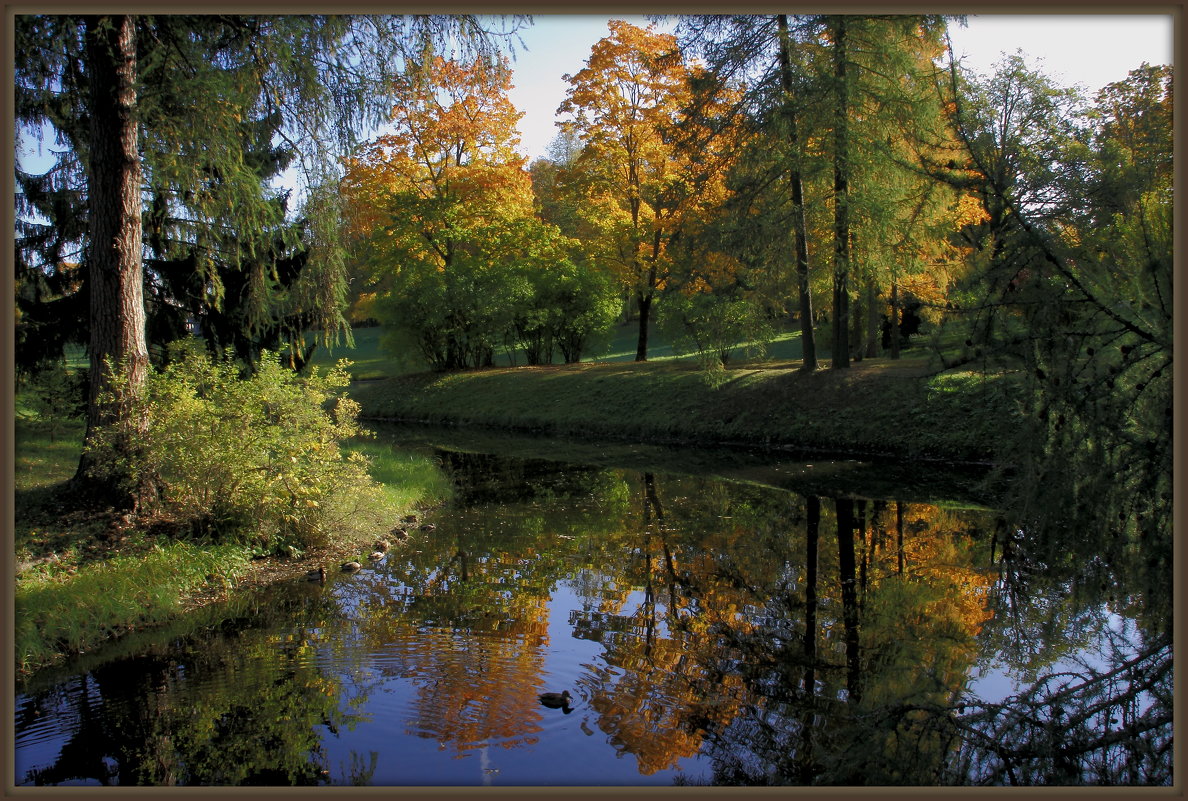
(115, 268)
(872, 320)
(857, 317)
(799, 226)
(894, 319)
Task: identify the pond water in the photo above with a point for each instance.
(716, 617)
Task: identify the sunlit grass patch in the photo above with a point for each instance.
(878, 407)
(60, 612)
(408, 479)
(370, 361)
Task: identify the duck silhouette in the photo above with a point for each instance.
(351, 567)
(382, 545)
(557, 701)
(318, 575)
(428, 527)
(375, 556)
(399, 534)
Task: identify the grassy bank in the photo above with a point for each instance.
(84, 576)
(879, 407)
(370, 360)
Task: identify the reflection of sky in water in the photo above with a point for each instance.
(558, 750)
(993, 682)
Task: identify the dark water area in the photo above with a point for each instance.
(716, 617)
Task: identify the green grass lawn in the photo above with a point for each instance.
(371, 361)
(910, 407)
(905, 408)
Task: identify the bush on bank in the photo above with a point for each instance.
(256, 460)
(244, 467)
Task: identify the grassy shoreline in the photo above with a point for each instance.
(901, 409)
(85, 576)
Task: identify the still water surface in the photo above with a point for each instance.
(716, 618)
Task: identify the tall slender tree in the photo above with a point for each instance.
(767, 57)
(840, 318)
(117, 339)
(796, 182)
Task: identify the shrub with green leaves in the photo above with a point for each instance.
(257, 460)
(715, 325)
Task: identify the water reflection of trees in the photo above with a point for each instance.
(888, 624)
(177, 717)
(824, 643)
(738, 607)
(785, 639)
(463, 612)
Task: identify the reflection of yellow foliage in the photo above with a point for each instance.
(647, 711)
(925, 623)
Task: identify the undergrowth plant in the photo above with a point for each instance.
(256, 460)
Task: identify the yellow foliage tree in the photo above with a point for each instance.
(651, 161)
(444, 214)
(449, 165)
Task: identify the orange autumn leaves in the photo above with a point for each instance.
(447, 232)
(646, 199)
(652, 168)
(448, 167)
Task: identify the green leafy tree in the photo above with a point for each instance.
(445, 214)
(857, 94)
(652, 161)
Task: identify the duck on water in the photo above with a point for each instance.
(557, 701)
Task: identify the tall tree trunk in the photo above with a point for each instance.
(894, 319)
(857, 312)
(808, 342)
(841, 200)
(114, 262)
(644, 302)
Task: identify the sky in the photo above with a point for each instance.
(1091, 50)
